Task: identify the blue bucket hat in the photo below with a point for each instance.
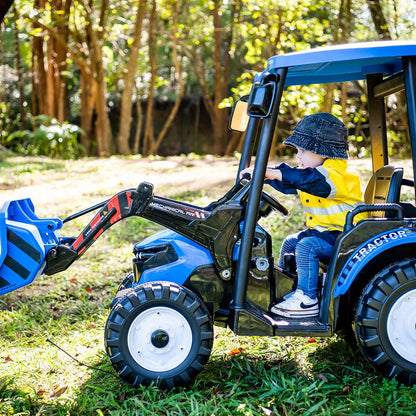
(323, 134)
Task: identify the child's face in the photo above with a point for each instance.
(308, 159)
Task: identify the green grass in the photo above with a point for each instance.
(269, 376)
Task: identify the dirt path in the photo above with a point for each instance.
(75, 185)
(93, 180)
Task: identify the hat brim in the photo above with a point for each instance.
(305, 142)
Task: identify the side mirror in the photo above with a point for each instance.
(239, 117)
(261, 99)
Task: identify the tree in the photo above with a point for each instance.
(152, 140)
(95, 35)
(48, 78)
(123, 146)
(19, 71)
(379, 20)
(96, 57)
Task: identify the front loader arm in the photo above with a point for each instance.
(131, 202)
(214, 227)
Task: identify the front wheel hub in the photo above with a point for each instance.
(159, 339)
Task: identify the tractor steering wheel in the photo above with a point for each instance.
(266, 197)
(274, 203)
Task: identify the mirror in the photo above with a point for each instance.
(239, 117)
(261, 99)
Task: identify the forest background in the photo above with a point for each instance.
(102, 77)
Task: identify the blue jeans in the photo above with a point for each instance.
(309, 250)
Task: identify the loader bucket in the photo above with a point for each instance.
(25, 240)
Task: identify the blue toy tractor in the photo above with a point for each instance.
(214, 265)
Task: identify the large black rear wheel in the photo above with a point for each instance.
(159, 333)
(385, 321)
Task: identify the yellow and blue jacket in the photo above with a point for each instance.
(327, 192)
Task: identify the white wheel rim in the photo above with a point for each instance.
(401, 326)
(159, 339)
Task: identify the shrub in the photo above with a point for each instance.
(49, 137)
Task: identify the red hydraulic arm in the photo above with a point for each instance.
(124, 204)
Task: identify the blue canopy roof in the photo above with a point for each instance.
(347, 62)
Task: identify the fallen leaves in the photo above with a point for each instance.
(236, 351)
(58, 390)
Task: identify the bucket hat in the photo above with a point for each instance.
(321, 133)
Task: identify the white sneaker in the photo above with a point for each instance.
(297, 305)
(286, 297)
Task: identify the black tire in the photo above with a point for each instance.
(127, 282)
(159, 333)
(385, 322)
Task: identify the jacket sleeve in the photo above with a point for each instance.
(284, 188)
(310, 180)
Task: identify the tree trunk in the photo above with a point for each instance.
(19, 73)
(128, 83)
(219, 115)
(155, 146)
(102, 124)
(50, 96)
(379, 20)
(139, 111)
(148, 138)
(328, 98)
(340, 34)
(88, 93)
(61, 55)
(39, 65)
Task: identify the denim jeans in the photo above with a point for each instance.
(309, 250)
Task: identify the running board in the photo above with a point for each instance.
(253, 320)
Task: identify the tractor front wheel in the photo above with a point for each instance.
(159, 333)
(385, 321)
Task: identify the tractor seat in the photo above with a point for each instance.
(384, 187)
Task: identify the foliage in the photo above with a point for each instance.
(245, 375)
(94, 45)
(49, 138)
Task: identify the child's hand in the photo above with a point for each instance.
(273, 173)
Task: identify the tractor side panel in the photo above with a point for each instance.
(368, 251)
(183, 257)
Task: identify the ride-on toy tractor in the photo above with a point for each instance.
(214, 265)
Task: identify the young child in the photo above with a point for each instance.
(327, 190)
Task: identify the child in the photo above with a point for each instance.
(328, 190)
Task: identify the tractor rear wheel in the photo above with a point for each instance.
(159, 333)
(385, 321)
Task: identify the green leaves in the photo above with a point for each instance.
(49, 138)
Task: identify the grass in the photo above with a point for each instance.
(244, 376)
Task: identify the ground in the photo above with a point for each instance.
(245, 375)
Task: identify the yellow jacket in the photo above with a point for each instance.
(324, 214)
(327, 192)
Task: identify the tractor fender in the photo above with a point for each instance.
(190, 256)
(367, 252)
